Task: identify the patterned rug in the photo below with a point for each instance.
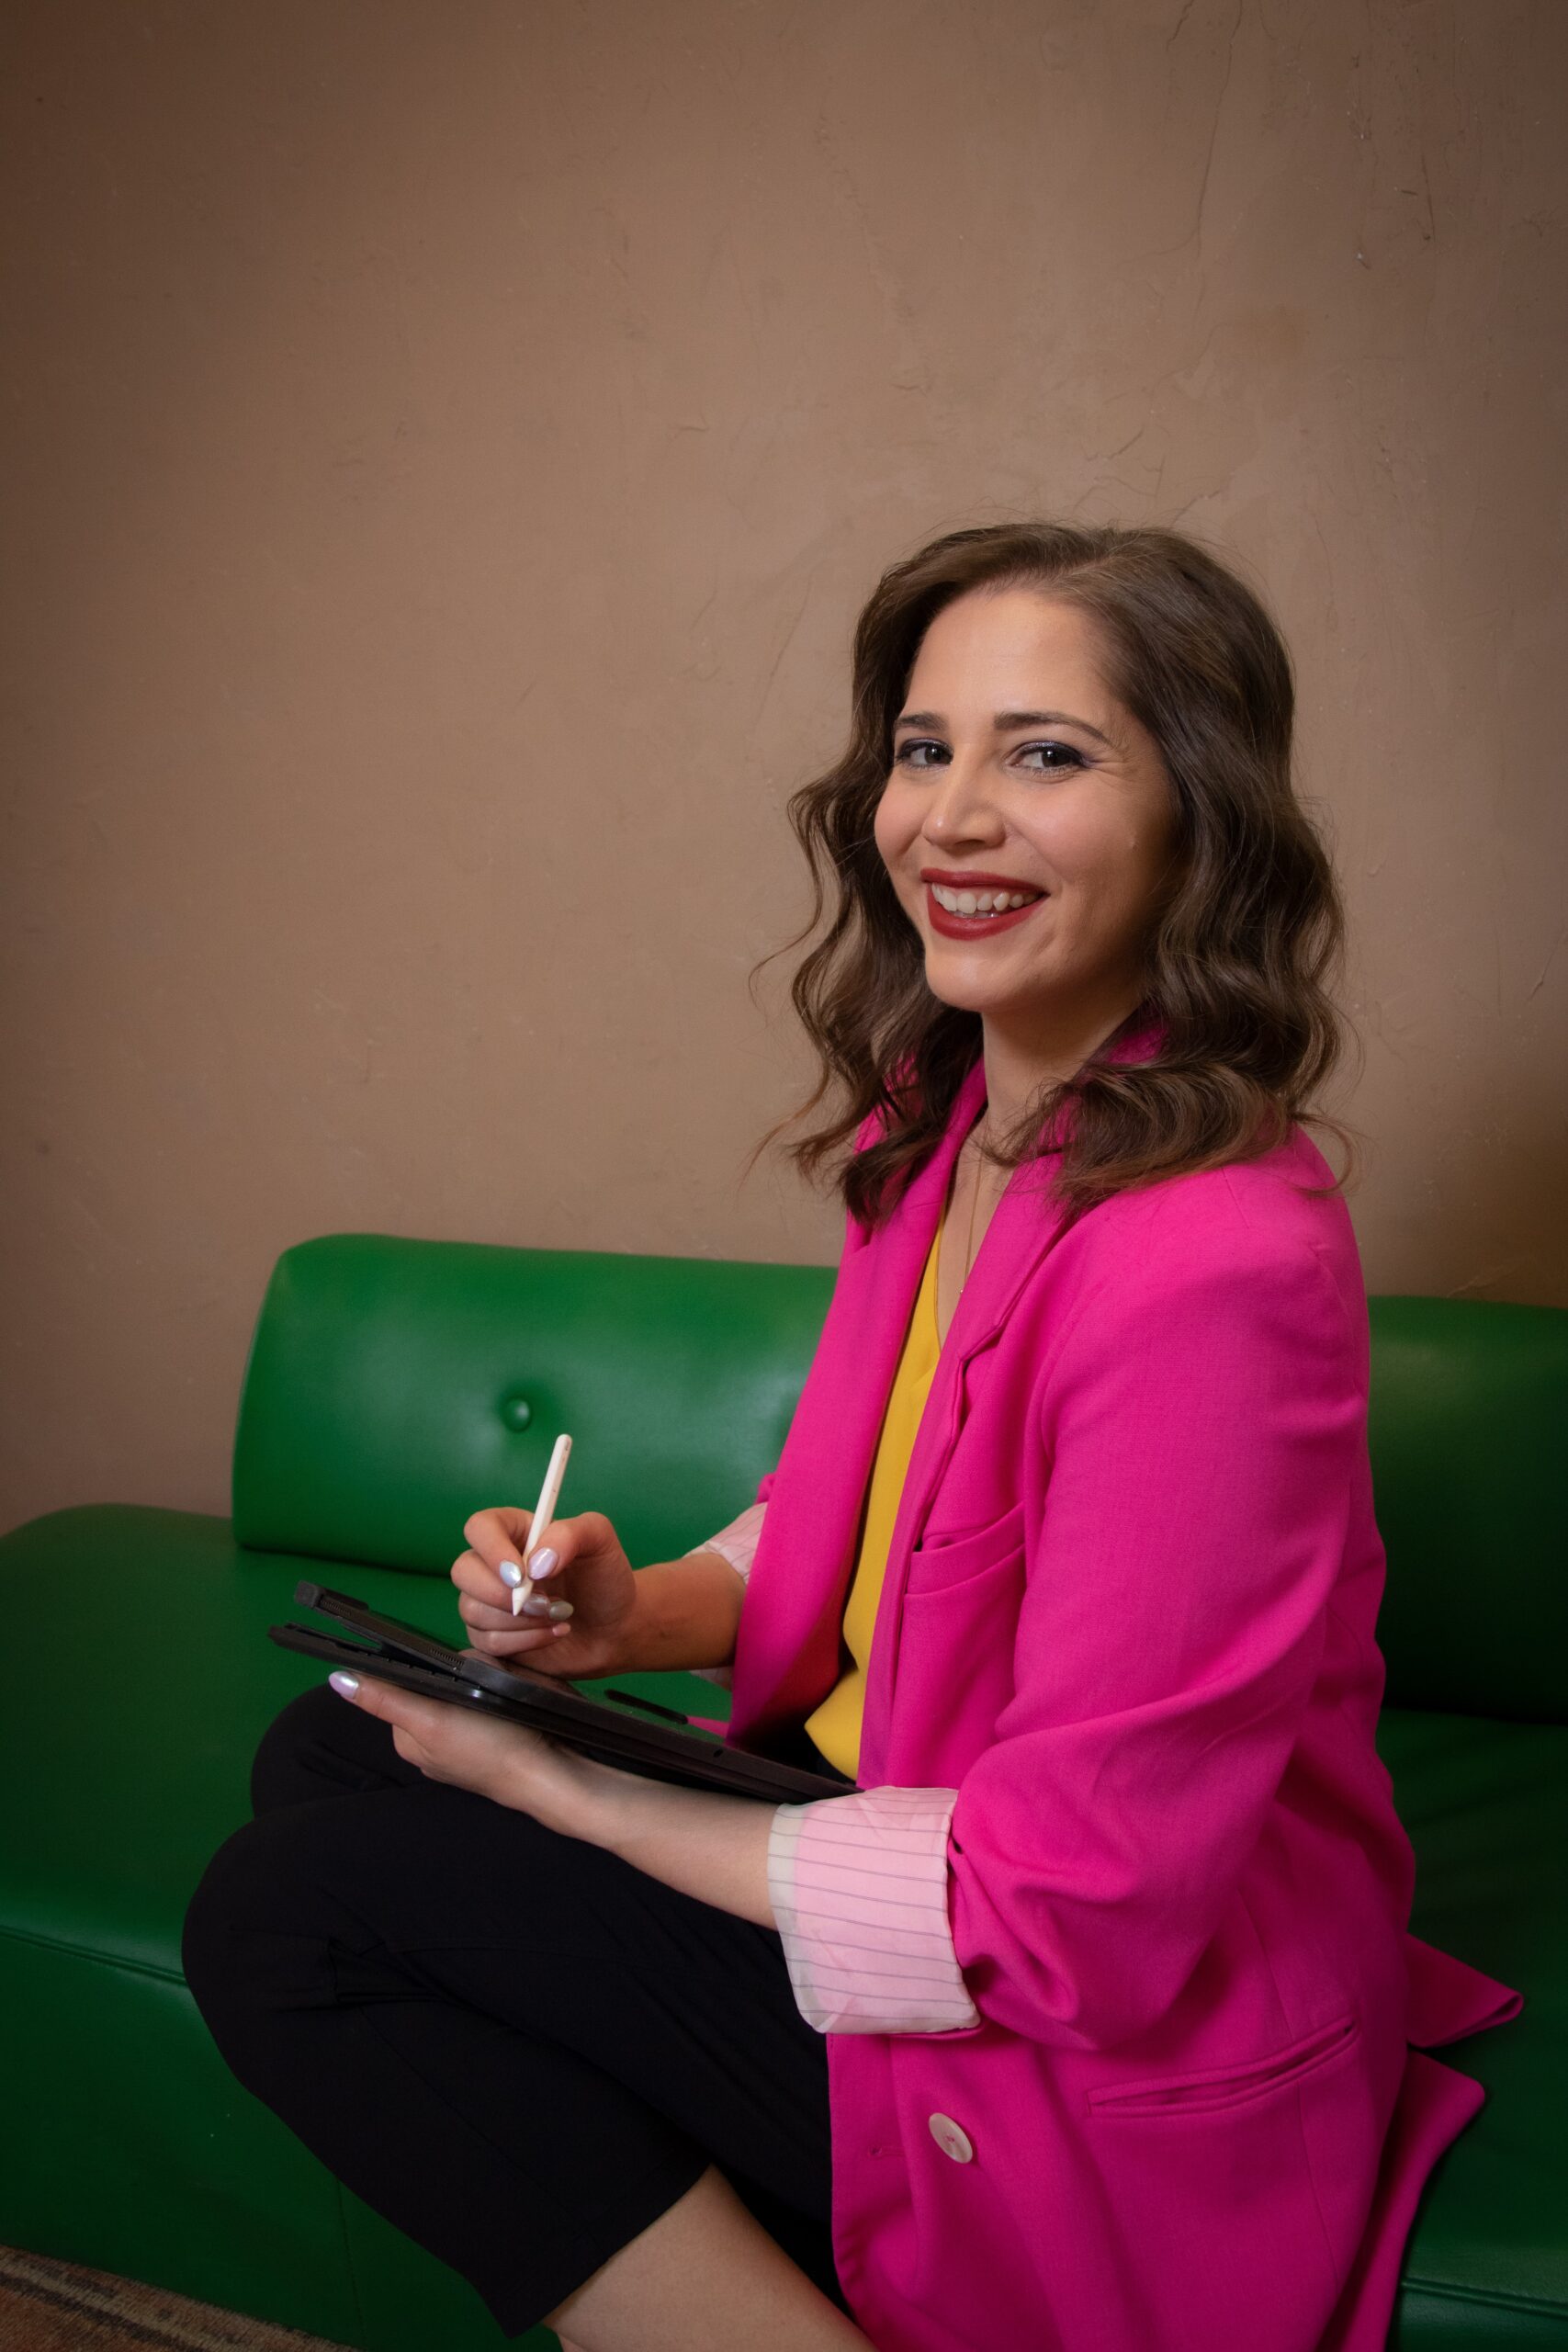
(47, 2306)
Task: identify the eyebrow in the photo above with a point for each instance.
(1005, 721)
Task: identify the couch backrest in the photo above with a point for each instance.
(395, 1386)
(1468, 1430)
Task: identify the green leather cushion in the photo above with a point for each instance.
(134, 1746)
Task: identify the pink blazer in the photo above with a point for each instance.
(1125, 2026)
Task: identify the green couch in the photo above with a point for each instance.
(393, 1387)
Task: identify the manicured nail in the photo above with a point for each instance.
(510, 1573)
(560, 1608)
(347, 1684)
(542, 1563)
(560, 1629)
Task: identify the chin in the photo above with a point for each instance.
(973, 997)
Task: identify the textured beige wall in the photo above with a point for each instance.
(451, 442)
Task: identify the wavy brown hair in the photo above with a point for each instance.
(1238, 957)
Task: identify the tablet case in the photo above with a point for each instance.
(616, 1727)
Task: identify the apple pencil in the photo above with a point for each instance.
(544, 1511)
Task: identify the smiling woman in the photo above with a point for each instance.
(1081, 2015)
(1116, 708)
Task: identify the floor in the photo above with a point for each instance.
(49, 2306)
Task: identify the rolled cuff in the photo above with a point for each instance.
(738, 1545)
(859, 1890)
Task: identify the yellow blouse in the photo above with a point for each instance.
(834, 1726)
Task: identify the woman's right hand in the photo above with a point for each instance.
(594, 1576)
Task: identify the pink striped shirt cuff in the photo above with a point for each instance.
(859, 1891)
(738, 1545)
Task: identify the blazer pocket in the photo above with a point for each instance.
(1218, 2088)
(941, 1563)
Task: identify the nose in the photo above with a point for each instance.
(960, 808)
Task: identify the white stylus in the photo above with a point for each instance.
(544, 1511)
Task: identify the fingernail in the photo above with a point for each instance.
(510, 1573)
(535, 1605)
(560, 1608)
(347, 1684)
(542, 1563)
(560, 1629)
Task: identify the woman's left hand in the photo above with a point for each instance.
(700, 1841)
(505, 1761)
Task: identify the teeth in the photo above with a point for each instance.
(982, 902)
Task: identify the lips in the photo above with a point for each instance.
(949, 924)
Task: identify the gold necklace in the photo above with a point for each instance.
(973, 1206)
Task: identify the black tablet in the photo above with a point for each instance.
(616, 1727)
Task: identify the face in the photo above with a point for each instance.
(1015, 772)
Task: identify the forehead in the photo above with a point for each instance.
(1005, 647)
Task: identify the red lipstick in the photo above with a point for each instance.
(952, 926)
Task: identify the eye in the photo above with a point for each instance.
(903, 755)
(1070, 758)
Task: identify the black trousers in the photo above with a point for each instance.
(518, 2048)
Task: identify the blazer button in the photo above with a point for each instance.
(952, 2139)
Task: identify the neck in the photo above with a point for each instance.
(1023, 1053)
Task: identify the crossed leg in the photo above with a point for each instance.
(421, 1984)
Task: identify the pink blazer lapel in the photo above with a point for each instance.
(787, 1652)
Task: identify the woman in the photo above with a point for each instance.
(1085, 2019)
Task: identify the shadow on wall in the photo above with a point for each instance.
(1483, 1202)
